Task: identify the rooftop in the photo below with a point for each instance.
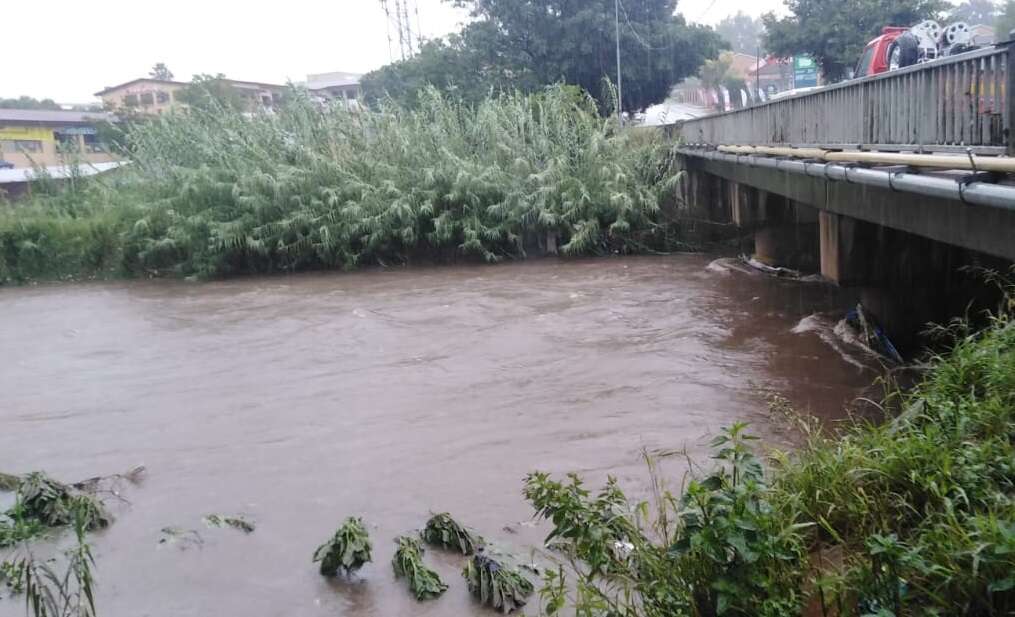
(48, 116)
(332, 80)
(26, 174)
(109, 89)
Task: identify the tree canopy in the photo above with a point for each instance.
(161, 71)
(27, 102)
(743, 32)
(975, 12)
(1005, 22)
(526, 44)
(834, 32)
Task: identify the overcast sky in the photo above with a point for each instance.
(68, 49)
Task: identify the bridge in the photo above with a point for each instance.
(889, 184)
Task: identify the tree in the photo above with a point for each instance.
(161, 71)
(27, 102)
(834, 32)
(975, 12)
(743, 32)
(526, 44)
(1005, 22)
(206, 90)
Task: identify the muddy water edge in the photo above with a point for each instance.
(300, 400)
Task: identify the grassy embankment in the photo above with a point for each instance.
(213, 192)
(915, 516)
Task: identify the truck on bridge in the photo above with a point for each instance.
(898, 47)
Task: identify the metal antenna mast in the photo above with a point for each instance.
(387, 14)
(399, 16)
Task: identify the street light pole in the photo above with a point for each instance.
(620, 83)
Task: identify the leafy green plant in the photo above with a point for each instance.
(55, 504)
(495, 585)
(913, 516)
(443, 531)
(50, 592)
(348, 550)
(408, 562)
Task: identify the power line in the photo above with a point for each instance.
(627, 21)
(706, 10)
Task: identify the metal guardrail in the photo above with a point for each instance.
(948, 104)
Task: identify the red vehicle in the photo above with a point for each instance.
(898, 47)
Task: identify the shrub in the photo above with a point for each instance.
(443, 531)
(408, 562)
(348, 550)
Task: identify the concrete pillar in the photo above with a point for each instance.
(787, 234)
(837, 238)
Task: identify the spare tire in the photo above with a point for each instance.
(904, 51)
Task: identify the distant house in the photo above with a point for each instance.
(148, 96)
(743, 64)
(983, 34)
(775, 75)
(336, 86)
(156, 96)
(41, 138)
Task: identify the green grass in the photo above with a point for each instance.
(214, 192)
(915, 516)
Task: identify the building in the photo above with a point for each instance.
(149, 96)
(156, 96)
(335, 86)
(775, 75)
(983, 34)
(42, 138)
(742, 64)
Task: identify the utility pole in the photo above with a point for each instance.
(620, 83)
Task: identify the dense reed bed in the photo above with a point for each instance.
(214, 192)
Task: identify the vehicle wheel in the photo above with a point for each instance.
(903, 52)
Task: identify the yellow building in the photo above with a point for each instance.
(149, 96)
(37, 137)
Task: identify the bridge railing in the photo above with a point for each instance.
(948, 104)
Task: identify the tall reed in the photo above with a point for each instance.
(214, 191)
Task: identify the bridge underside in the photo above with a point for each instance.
(905, 254)
(982, 229)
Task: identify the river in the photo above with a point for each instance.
(299, 400)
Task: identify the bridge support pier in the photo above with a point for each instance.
(839, 248)
(786, 233)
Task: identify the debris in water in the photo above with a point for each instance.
(236, 522)
(53, 503)
(494, 585)
(182, 538)
(443, 531)
(773, 270)
(349, 549)
(871, 334)
(408, 562)
(8, 482)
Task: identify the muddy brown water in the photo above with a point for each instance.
(297, 401)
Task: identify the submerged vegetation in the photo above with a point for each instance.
(42, 504)
(443, 531)
(495, 584)
(348, 550)
(408, 562)
(916, 516)
(214, 192)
